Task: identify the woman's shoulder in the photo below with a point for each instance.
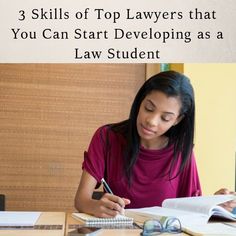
(109, 132)
(114, 128)
(104, 129)
(100, 132)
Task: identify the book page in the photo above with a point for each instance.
(198, 209)
(210, 229)
(142, 214)
(221, 212)
(201, 204)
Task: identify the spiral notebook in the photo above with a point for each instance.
(91, 220)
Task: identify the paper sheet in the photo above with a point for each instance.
(17, 218)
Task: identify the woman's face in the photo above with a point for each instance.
(157, 114)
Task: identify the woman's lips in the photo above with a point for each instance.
(147, 130)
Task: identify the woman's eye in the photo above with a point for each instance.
(148, 109)
(165, 119)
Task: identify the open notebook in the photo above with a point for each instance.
(89, 219)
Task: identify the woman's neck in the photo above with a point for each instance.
(156, 144)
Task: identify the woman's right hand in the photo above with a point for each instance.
(110, 205)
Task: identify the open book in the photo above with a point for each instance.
(206, 205)
(193, 212)
(92, 220)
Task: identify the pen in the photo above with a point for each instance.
(106, 186)
(108, 190)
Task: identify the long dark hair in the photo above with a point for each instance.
(172, 84)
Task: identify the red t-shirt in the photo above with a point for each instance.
(150, 185)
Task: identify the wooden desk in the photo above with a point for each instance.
(46, 219)
(108, 232)
(65, 220)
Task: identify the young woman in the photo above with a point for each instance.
(148, 157)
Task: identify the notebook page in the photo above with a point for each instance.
(89, 219)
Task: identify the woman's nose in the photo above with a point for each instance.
(152, 120)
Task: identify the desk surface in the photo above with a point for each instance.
(60, 223)
(45, 226)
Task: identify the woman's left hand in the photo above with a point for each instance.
(230, 205)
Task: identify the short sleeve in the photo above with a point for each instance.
(190, 183)
(94, 158)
